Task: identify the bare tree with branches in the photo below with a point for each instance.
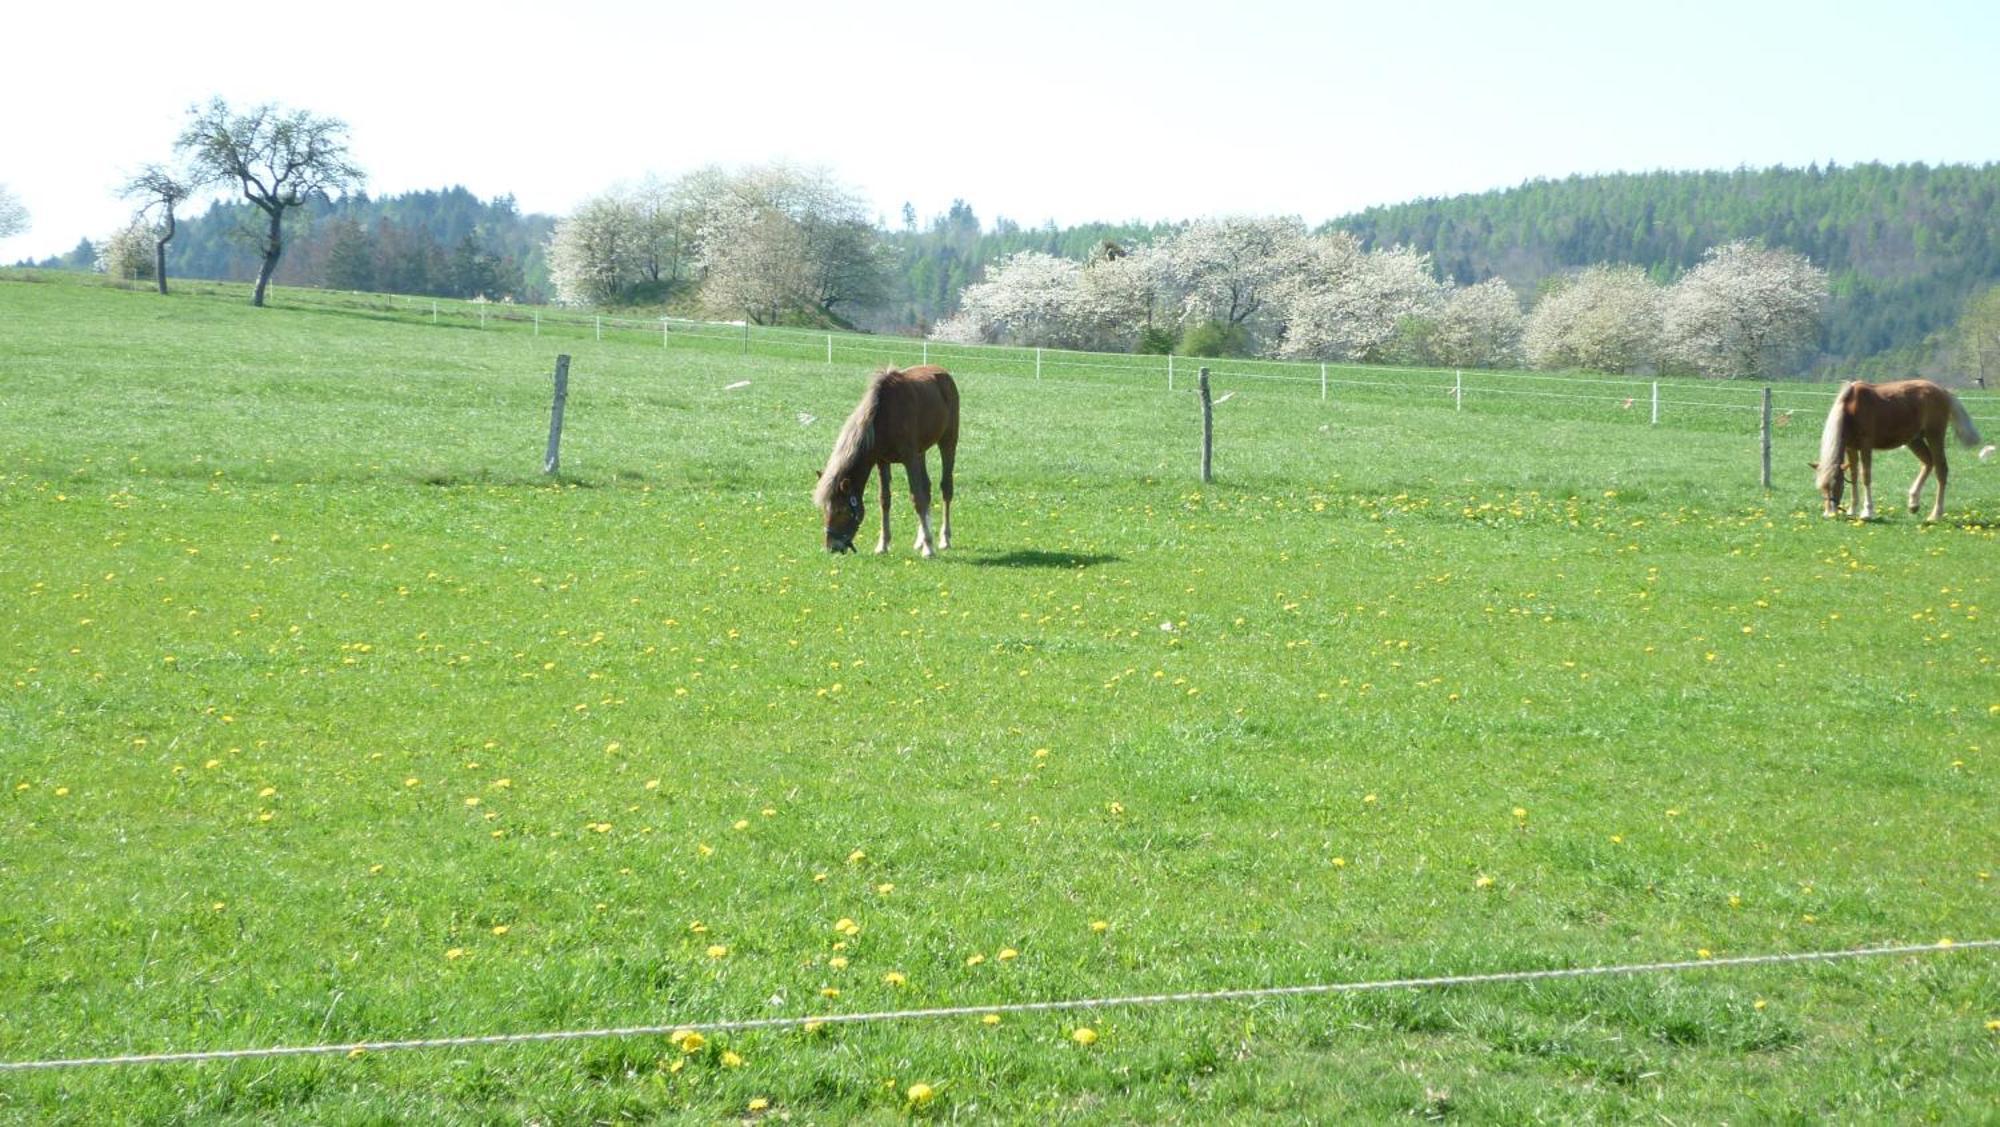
(160, 189)
(279, 159)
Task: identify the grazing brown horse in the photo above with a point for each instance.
(1870, 417)
(903, 413)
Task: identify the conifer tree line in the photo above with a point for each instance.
(1865, 270)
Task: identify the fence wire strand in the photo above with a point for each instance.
(361, 1048)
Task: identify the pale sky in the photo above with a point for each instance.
(1029, 109)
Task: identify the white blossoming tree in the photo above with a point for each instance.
(1029, 298)
(1230, 270)
(1479, 327)
(127, 253)
(13, 215)
(1349, 305)
(595, 254)
(1606, 319)
(1746, 312)
(789, 244)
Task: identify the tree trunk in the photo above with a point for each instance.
(274, 245)
(160, 251)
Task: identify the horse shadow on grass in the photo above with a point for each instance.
(1023, 558)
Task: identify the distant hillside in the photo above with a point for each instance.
(448, 243)
(1905, 245)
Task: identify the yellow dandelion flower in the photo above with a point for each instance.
(1484, 881)
(1340, 862)
(974, 960)
(500, 929)
(1100, 926)
(1369, 799)
(759, 1104)
(697, 927)
(1084, 1036)
(990, 1019)
(1702, 953)
(829, 991)
(411, 781)
(838, 962)
(267, 792)
(885, 888)
(211, 764)
(740, 824)
(717, 950)
(455, 953)
(895, 978)
(814, 1026)
(920, 1094)
(652, 784)
(856, 857)
(730, 1059)
(1520, 812)
(688, 1041)
(1993, 1026)
(62, 792)
(472, 800)
(1008, 953)
(1758, 1004)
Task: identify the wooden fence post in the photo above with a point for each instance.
(554, 458)
(1207, 432)
(1767, 438)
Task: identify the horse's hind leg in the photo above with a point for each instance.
(947, 453)
(1943, 471)
(920, 496)
(1923, 454)
(882, 543)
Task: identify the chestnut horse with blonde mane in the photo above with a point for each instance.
(1870, 417)
(903, 413)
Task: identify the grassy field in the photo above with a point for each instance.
(324, 718)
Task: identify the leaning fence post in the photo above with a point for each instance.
(1458, 390)
(1170, 371)
(665, 332)
(1207, 432)
(554, 457)
(927, 352)
(1767, 438)
(1322, 380)
(1656, 403)
(829, 348)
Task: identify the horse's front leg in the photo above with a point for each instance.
(882, 542)
(1867, 485)
(920, 496)
(1923, 454)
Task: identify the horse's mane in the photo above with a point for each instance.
(857, 437)
(1832, 440)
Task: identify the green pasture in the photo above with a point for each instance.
(326, 718)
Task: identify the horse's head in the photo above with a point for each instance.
(1832, 486)
(843, 509)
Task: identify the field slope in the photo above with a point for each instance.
(324, 718)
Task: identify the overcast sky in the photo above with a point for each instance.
(1034, 110)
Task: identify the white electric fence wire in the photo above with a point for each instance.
(358, 1048)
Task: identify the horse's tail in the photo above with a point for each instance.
(1833, 439)
(1961, 424)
